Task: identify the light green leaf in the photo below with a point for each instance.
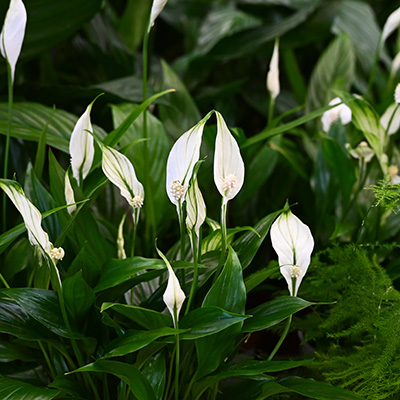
(13, 389)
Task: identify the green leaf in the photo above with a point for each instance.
(13, 389)
(335, 70)
(116, 272)
(255, 279)
(10, 352)
(69, 384)
(146, 318)
(317, 390)
(273, 312)
(229, 293)
(181, 113)
(155, 371)
(134, 340)
(248, 244)
(138, 383)
(29, 119)
(42, 305)
(207, 321)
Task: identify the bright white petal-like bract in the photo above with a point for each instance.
(69, 194)
(173, 296)
(181, 160)
(273, 84)
(195, 208)
(81, 146)
(341, 111)
(12, 34)
(157, 7)
(30, 214)
(228, 162)
(391, 24)
(393, 119)
(293, 242)
(119, 170)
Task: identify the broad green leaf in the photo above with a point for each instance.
(42, 305)
(155, 372)
(13, 389)
(255, 279)
(69, 384)
(118, 271)
(29, 119)
(249, 368)
(317, 390)
(248, 244)
(146, 318)
(207, 321)
(274, 311)
(334, 70)
(17, 258)
(138, 383)
(229, 293)
(181, 113)
(10, 352)
(134, 340)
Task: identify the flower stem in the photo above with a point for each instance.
(285, 332)
(7, 149)
(177, 355)
(195, 271)
(4, 281)
(46, 357)
(223, 240)
(271, 109)
(133, 238)
(182, 241)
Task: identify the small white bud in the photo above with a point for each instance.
(361, 152)
(273, 84)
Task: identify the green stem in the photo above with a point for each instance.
(4, 281)
(270, 108)
(285, 332)
(7, 149)
(223, 240)
(133, 239)
(176, 356)
(182, 227)
(195, 271)
(46, 357)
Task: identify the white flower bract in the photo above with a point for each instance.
(293, 242)
(273, 84)
(228, 162)
(392, 116)
(391, 24)
(12, 34)
(342, 112)
(81, 146)
(69, 194)
(157, 7)
(195, 208)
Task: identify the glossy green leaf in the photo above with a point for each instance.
(134, 340)
(274, 311)
(69, 384)
(138, 383)
(118, 271)
(155, 372)
(13, 389)
(229, 293)
(181, 113)
(317, 390)
(29, 119)
(248, 244)
(255, 279)
(334, 70)
(10, 352)
(146, 318)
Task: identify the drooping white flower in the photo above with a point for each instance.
(12, 34)
(341, 111)
(392, 116)
(181, 160)
(69, 194)
(119, 170)
(361, 152)
(228, 163)
(173, 296)
(195, 208)
(293, 242)
(32, 219)
(81, 146)
(273, 84)
(157, 7)
(391, 24)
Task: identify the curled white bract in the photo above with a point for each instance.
(12, 34)
(228, 162)
(391, 24)
(341, 111)
(69, 194)
(157, 7)
(273, 84)
(195, 208)
(293, 242)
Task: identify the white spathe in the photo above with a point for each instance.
(341, 111)
(392, 115)
(195, 208)
(391, 24)
(12, 34)
(157, 7)
(69, 194)
(173, 296)
(81, 146)
(273, 84)
(181, 160)
(293, 242)
(119, 170)
(228, 162)
(32, 219)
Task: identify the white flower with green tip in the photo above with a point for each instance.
(119, 170)
(195, 208)
(12, 34)
(293, 242)
(69, 194)
(228, 162)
